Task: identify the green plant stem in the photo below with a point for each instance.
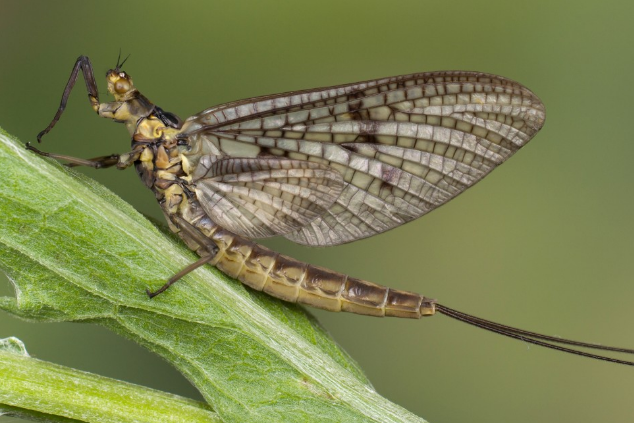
(36, 389)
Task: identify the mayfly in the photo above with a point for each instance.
(320, 167)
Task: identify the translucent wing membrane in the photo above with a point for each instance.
(259, 198)
(403, 145)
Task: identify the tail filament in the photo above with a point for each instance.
(536, 338)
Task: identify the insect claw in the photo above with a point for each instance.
(162, 289)
(35, 150)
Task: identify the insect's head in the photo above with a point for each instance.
(119, 83)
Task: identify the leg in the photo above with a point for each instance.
(83, 63)
(97, 162)
(195, 265)
(195, 235)
(121, 161)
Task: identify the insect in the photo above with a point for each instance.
(320, 167)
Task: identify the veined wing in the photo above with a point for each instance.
(403, 145)
(264, 197)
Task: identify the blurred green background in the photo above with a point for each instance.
(545, 243)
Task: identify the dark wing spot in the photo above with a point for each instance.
(390, 176)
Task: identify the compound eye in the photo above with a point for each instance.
(122, 86)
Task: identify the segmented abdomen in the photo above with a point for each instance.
(294, 281)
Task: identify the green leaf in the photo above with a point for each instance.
(75, 251)
(25, 391)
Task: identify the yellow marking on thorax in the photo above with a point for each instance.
(162, 159)
(174, 198)
(147, 155)
(187, 168)
(149, 128)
